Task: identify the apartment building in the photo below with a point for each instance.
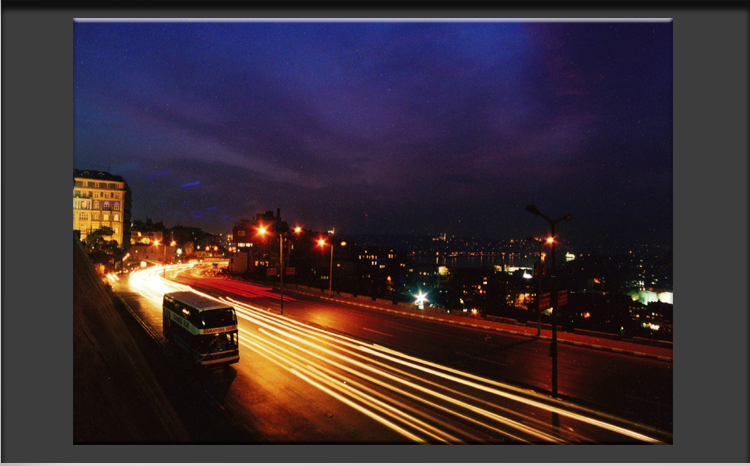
(101, 199)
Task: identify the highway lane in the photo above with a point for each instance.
(305, 381)
(258, 392)
(637, 388)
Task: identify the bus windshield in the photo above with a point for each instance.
(218, 318)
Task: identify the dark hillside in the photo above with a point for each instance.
(116, 396)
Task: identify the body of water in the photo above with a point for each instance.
(474, 261)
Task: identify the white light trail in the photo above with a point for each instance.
(543, 403)
(386, 385)
(349, 368)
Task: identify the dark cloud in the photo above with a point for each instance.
(383, 126)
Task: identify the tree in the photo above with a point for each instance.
(100, 249)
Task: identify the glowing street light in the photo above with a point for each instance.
(421, 298)
(164, 256)
(322, 244)
(553, 294)
(263, 231)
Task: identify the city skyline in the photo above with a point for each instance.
(372, 127)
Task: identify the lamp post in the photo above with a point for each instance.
(553, 292)
(281, 270)
(538, 285)
(163, 258)
(263, 231)
(322, 244)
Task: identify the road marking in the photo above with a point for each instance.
(371, 330)
(481, 359)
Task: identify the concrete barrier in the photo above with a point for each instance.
(592, 333)
(657, 343)
(384, 301)
(502, 320)
(364, 298)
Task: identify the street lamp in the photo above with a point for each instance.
(553, 292)
(172, 244)
(263, 231)
(322, 244)
(164, 256)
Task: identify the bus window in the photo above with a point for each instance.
(218, 318)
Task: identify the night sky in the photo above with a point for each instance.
(385, 127)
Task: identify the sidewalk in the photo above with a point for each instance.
(612, 344)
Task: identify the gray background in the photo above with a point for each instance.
(710, 217)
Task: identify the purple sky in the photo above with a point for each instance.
(394, 127)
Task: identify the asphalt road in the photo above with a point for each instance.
(328, 373)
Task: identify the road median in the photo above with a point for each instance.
(641, 347)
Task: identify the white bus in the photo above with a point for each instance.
(203, 327)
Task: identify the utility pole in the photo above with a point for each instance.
(553, 292)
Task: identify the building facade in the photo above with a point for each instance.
(101, 199)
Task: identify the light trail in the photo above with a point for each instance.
(394, 402)
(151, 285)
(349, 367)
(298, 370)
(421, 400)
(380, 383)
(543, 402)
(272, 319)
(359, 346)
(543, 398)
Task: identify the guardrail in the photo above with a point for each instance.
(390, 305)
